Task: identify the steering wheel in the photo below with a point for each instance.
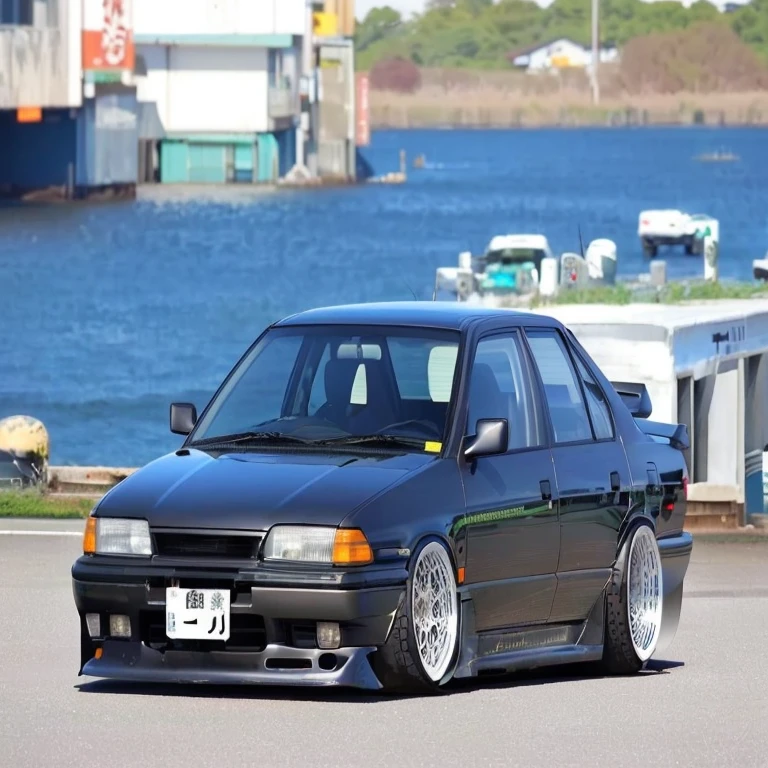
(430, 426)
(298, 424)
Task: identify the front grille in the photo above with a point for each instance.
(207, 545)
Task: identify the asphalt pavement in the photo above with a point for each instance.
(704, 704)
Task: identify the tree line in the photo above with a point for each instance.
(482, 34)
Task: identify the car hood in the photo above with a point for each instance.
(253, 491)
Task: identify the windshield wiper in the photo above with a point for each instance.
(248, 437)
(411, 442)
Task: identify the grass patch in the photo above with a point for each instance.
(672, 293)
(34, 504)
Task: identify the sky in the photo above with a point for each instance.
(407, 7)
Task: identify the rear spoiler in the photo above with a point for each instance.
(638, 401)
(677, 434)
(635, 397)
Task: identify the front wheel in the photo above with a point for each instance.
(421, 650)
(634, 604)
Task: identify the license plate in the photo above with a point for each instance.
(197, 614)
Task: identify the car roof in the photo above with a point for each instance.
(449, 315)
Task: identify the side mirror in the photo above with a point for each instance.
(491, 438)
(183, 418)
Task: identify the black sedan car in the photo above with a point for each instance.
(389, 496)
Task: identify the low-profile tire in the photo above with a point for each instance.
(420, 653)
(650, 249)
(634, 604)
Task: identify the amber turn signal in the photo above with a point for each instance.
(89, 536)
(350, 547)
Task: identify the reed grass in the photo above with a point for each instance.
(511, 100)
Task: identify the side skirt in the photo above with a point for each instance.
(519, 648)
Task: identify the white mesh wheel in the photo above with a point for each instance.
(434, 610)
(645, 592)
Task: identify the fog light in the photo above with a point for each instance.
(93, 622)
(328, 635)
(119, 626)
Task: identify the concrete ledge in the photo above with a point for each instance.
(711, 492)
(88, 480)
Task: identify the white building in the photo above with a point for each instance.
(219, 87)
(554, 55)
(705, 365)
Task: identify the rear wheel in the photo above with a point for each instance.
(421, 650)
(634, 604)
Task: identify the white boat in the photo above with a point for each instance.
(523, 265)
(670, 226)
(760, 268)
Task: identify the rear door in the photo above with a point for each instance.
(593, 478)
(512, 533)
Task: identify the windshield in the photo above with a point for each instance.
(510, 256)
(322, 383)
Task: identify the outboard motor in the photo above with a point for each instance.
(601, 261)
(573, 271)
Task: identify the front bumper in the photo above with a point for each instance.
(273, 627)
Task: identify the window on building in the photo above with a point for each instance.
(17, 12)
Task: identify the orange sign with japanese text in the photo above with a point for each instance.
(108, 35)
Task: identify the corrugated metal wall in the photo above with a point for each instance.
(116, 140)
(108, 140)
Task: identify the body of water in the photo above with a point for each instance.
(108, 312)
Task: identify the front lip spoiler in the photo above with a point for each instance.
(135, 662)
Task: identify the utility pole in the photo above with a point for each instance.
(595, 50)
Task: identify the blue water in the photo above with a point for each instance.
(108, 312)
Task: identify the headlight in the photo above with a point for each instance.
(116, 536)
(305, 544)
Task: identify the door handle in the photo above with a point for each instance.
(546, 490)
(615, 481)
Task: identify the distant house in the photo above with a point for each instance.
(557, 54)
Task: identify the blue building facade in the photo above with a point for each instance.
(72, 153)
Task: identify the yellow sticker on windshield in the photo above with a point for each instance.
(431, 447)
